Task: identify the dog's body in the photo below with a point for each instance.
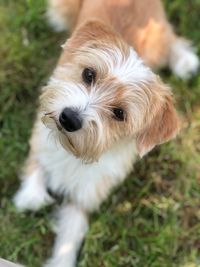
(103, 105)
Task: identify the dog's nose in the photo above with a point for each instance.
(70, 120)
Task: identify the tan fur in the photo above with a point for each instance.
(146, 29)
(91, 32)
(161, 128)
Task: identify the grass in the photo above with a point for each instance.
(154, 219)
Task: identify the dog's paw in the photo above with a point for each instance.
(61, 261)
(184, 62)
(28, 198)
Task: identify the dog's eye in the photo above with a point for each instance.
(88, 75)
(119, 114)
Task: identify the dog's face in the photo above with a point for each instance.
(102, 93)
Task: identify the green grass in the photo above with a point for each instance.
(154, 219)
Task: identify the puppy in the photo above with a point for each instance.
(102, 107)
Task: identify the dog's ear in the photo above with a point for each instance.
(162, 127)
(90, 31)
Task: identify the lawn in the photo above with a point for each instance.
(154, 219)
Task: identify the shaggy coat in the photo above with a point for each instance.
(102, 107)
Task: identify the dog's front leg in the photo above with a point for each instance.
(32, 194)
(71, 228)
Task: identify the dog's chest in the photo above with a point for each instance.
(86, 184)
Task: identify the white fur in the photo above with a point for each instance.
(129, 70)
(71, 94)
(87, 185)
(72, 227)
(183, 60)
(32, 194)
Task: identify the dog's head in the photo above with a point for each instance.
(102, 93)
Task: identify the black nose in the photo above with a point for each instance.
(70, 120)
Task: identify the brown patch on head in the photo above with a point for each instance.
(92, 33)
(162, 125)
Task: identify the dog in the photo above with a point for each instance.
(102, 108)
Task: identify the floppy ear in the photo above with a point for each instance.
(163, 126)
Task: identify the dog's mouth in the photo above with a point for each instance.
(74, 144)
(50, 121)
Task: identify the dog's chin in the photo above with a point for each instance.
(87, 156)
(80, 147)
